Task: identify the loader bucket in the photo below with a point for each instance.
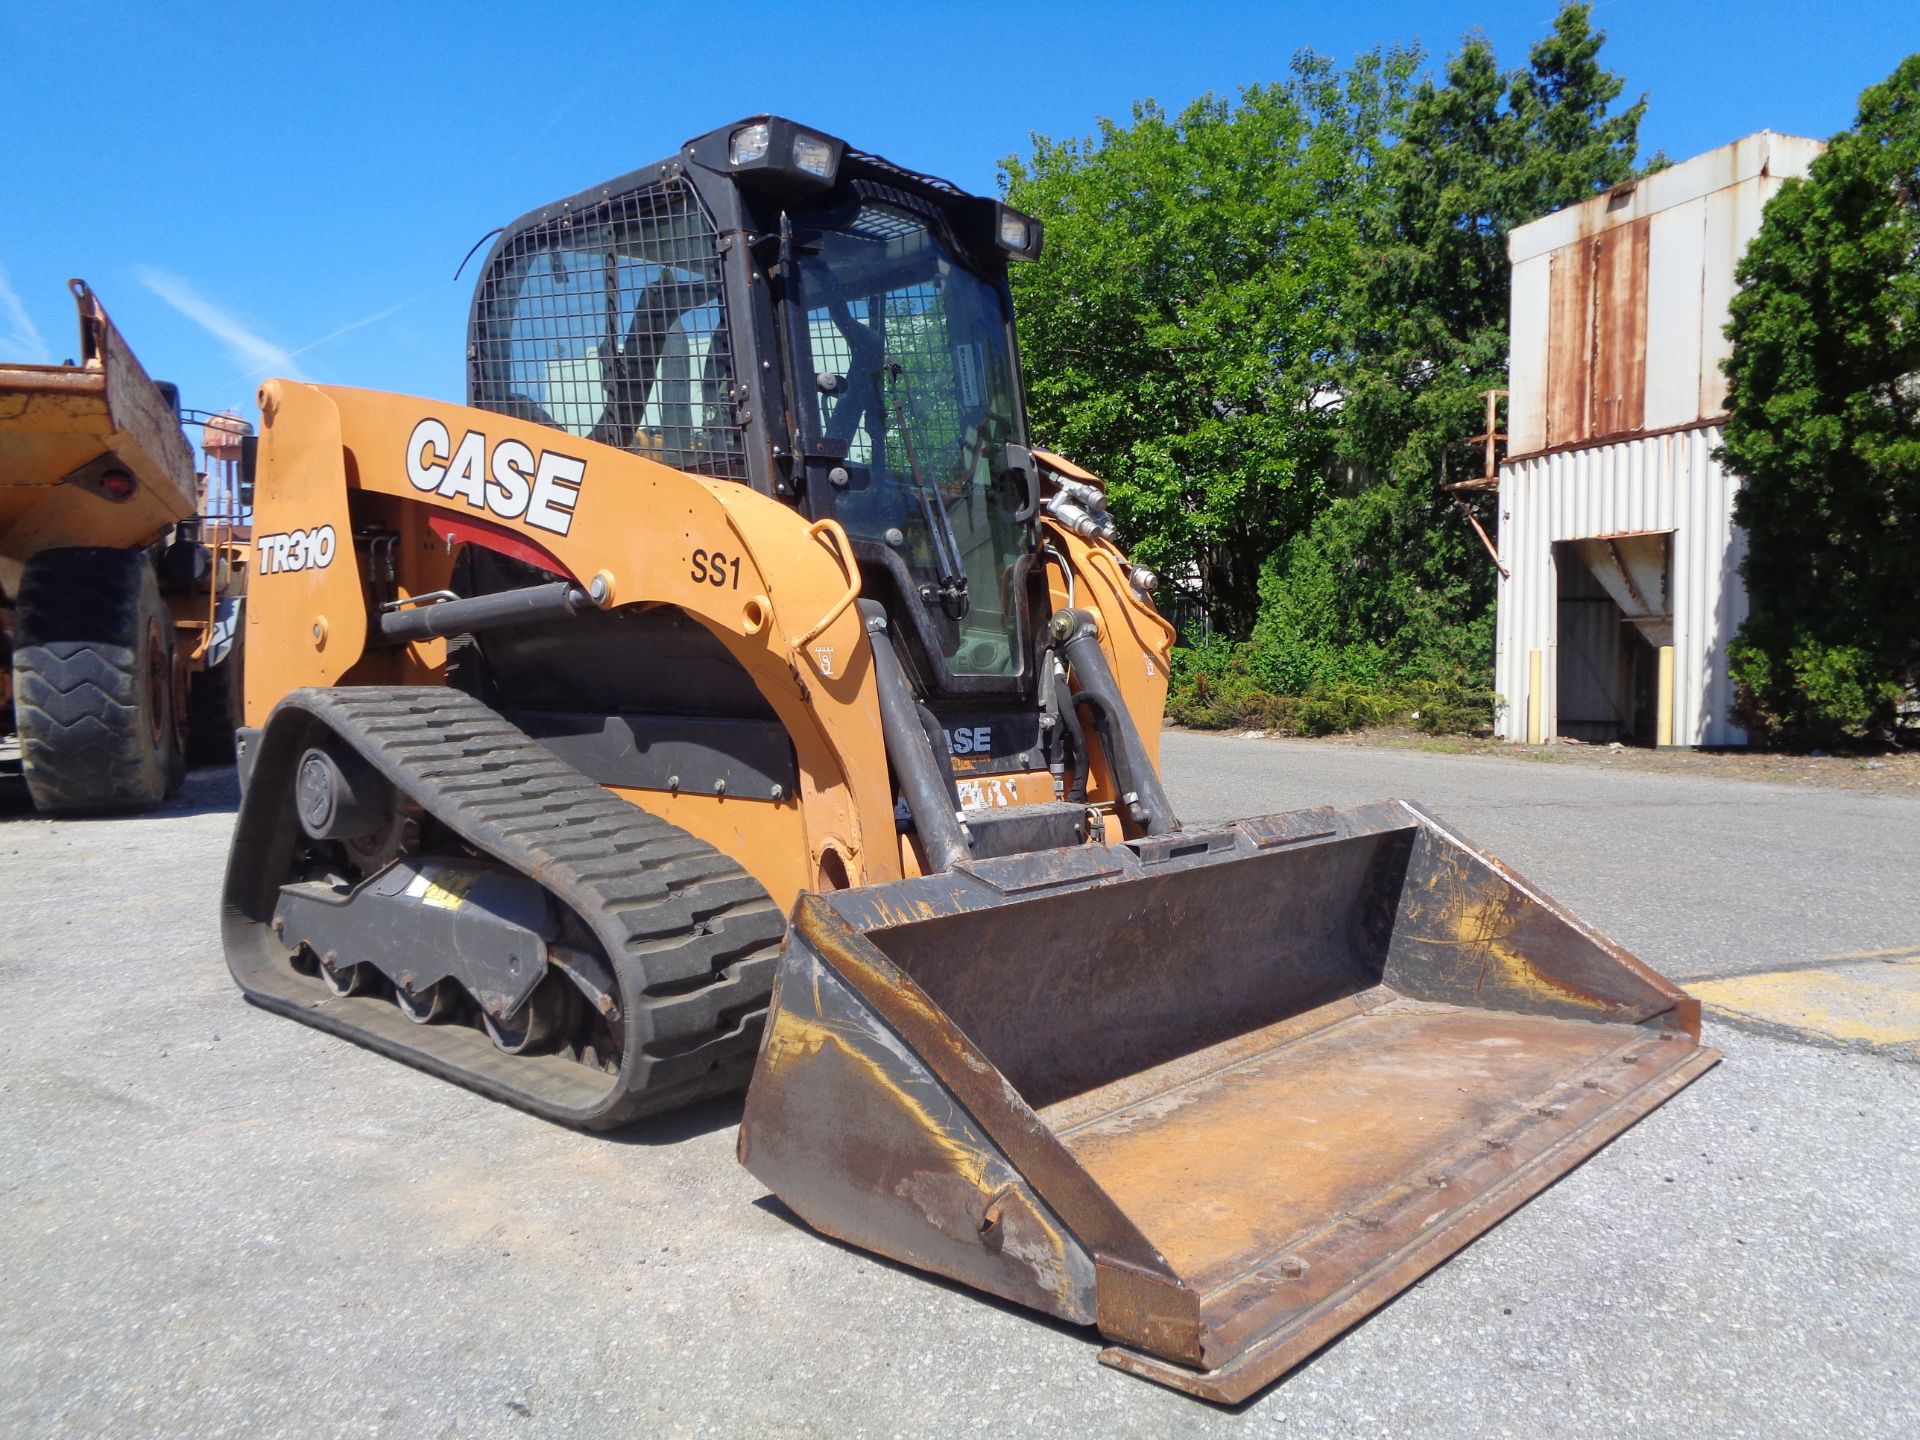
(1220, 1094)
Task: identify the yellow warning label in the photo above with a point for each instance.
(444, 891)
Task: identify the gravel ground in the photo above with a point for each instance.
(224, 1223)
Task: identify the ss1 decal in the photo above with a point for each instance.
(295, 550)
(716, 567)
(510, 481)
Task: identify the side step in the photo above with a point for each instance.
(692, 939)
(1220, 1094)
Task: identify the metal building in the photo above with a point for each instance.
(1616, 525)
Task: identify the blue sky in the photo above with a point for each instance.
(259, 189)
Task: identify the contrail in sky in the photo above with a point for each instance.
(373, 319)
(20, 338)
(254, 351)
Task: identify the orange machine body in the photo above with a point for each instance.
(336, 462)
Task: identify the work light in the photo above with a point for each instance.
(779, 156)
(1019, 235)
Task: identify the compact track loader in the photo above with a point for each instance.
(735, 594)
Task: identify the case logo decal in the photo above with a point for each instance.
(970, 740)
(510, 481)
(295, 550)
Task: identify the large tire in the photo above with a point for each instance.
(95, 693)
(216, 710)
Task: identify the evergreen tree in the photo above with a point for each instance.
(1824, 426)
(1477, 153)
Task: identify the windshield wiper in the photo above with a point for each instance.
(952, 590)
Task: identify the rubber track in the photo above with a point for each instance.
(693, 939)
(78, 682)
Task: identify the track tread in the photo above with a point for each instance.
(670, 910)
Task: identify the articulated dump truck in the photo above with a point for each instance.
(731, 691)
(120, 578)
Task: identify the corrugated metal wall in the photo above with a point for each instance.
(1656, 482)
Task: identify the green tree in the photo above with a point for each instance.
(1268, 323)
(1823, 423)
(1477, 153)
(1181, 332)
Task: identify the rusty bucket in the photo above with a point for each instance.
(1220, 1094)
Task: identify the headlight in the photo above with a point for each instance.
(1017, 234)
(749, 143)
(811, 154)
(776, 155)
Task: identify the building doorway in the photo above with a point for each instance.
(1613, 614)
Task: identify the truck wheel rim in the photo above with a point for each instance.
(159, 681)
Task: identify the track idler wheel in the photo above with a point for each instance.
(425, 1005)
(549, 1011)
(345, 980)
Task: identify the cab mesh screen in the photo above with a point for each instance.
(609, 322)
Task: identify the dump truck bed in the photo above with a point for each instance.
(63, 427)
(1220, 1094)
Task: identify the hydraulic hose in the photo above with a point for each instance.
(1076, 733)
(911, 753)
(1078, 637)
(556, 601)
(937, 738)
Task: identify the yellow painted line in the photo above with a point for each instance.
(1871, 1001)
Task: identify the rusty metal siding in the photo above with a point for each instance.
(1646, 483)
(1629, 332)
(1617, 402)
(1569, 344)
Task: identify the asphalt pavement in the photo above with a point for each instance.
(223, 1223)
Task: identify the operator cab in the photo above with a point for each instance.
(773, 307)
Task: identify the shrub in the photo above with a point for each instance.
(1218, 686)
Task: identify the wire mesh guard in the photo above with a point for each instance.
(609, 323)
